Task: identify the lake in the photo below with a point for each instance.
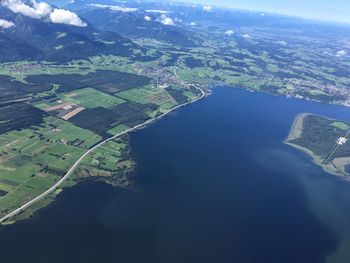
(214, 183)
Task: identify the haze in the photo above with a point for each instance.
(336, 11)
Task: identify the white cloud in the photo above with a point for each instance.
(208, 8)
(6, 24)
(282, 43)
(36, 10)
(166, 20)
(229, 32)
(148, 18)
(115, 8)
(193, 24)
(40, 10)
(62, 16)
(157, 11)
(246, 36)
(341, 53)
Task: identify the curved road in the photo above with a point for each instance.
(75, 165)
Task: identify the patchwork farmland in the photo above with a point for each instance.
(56, 128)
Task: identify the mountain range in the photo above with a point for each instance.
(39, 39)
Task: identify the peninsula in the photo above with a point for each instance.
(325, 140)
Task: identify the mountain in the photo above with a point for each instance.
(41, 39)
(132, 24)
(139, 24)
(11, 50)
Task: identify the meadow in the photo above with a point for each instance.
(38, 144)
(90, 98)
(33, 159)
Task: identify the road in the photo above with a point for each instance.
(76, 164)
(334, 149)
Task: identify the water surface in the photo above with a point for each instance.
(214, 184)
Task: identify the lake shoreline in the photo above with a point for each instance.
(296, 132)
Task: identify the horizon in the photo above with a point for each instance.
(322, 10)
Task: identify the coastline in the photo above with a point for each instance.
(295, 132)
(297, 127)
(45, 196)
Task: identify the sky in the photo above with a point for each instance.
(327, 10)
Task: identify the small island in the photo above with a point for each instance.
(325, 140)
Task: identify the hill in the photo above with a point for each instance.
(138, 24)
(32, 38)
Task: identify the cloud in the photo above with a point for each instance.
(229, 32)
(115, 8)
(282, 43)
(157, 11)
(208, 8)
(40, 10)
(193, 24)
(246, 36)
(341, 53)
(6, 24)
(36, 10)
(166, 20)
(148, 18)
(62, 16)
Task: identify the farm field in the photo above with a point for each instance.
(21, 69)
(67, 105)
(111, 162)
(70, 109)
(90, 98)
(149, 94)
(59, 127)
(33, 159)
(79, 81)
(118, 129)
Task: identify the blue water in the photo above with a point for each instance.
(214, 184)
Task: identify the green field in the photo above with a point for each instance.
(28, 190)
(34, 157)
(149, 94)
(107, 156)
(66, 131)
(340, 125)
(122, 92)
(20, 69)
(31, 160)
(90, 98)
(111, 162)
(44, 104)
(118, 129)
